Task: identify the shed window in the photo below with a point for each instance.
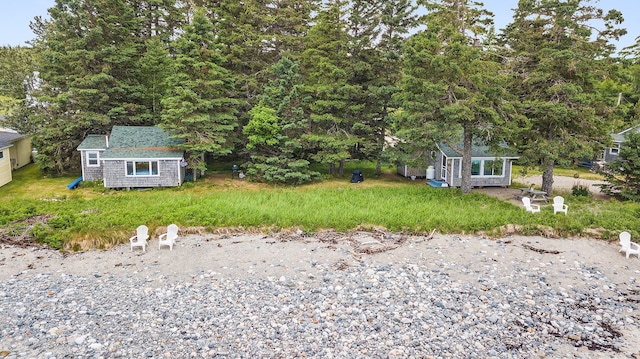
(493, 168)
(615, 150)
(142, 168)
(487, 168)
(93, 159)
(1, 155)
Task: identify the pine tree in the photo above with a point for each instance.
(557, 63)
(453, 89)
(275, 131)
(89, 79)
(155, 69)
(200, 107)
(325, 63)
(397, 19)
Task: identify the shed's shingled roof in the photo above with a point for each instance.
(141, 142)
(477, 150)
(94, 142)
(134, 142)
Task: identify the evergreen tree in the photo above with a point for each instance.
(89, 79)
(557, 62)
(453, 88)
(199, 107)
(155, 69)
(275, 131)
(623, 174)
(325, 62)
(17, 65)
(398, 18)
(363, 26)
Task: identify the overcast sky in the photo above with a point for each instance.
(16, 15)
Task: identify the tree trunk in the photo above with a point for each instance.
(332, 168)
(547, 177)
(341, 168)
(465, 185)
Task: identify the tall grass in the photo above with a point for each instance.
(106, 216)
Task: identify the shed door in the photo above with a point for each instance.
(443, 169)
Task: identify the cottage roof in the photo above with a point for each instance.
(94, 142)
(477, 150)
(619, 137)
(141, 142)
(7, 136)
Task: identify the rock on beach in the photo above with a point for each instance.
(248, 296)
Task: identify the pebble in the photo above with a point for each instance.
(395, 311)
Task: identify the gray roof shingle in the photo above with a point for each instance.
(94, 142)
(7, 138)
(141, 142)
(476, 151)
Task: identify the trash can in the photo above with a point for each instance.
(356, 176)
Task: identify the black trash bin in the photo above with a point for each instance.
(356, 176)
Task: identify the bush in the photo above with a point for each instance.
(579, 190)
(63, 221)
(47, 235)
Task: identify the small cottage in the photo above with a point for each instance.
(487, 169)
(611, 154)
(133, 157)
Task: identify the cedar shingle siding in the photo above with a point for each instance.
(90, 173)
(168, 175)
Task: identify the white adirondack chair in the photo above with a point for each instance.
(627, 246)
(533, 208)
(140, 239)
(169, 238)
(559, 206)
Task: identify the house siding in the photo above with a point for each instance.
(407, 171)
(20, 153)
(481, 181)
(454, 180)
(610, 157)
(170, 175)
(91, 173)
(5, 167)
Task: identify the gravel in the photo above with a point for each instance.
(367, 310)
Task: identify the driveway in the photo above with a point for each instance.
(561, 186)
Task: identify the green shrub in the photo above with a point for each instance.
(579, 190)
(62, 221)
(44, 234)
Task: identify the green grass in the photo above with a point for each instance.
(100, 218)
(580, 172)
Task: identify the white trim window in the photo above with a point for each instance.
(487, 168)
(93, 159)
(142, 168)
(1, 154)
(615, 150)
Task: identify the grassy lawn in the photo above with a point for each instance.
(97, 217)
(576, 172)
